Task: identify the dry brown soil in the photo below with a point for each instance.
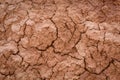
(59, 39)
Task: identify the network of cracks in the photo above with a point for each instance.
(59, 39)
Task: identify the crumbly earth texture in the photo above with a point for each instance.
(59, 39)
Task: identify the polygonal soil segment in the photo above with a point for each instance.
(59, 39)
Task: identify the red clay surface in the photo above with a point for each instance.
(59, 39)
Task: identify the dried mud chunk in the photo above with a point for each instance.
(113, 51)
(93, 57)
(96, 34)
(77, 18)
(49, 9)
(11, 65)
(15, 36)
(2, 76)
(2, 12)
(44, 34)
(18, 15)
(89, 76)
(73, 72)
(116, 64)
(11, 1)
(67, 72)
(111, 11)
(2, 60)
(58, 76)
(112, 37)
(9, 78)
(11, 46)
(37, 1)
(45, 71)
(96, 16)
(112, 72)
(96, 66)
(66, 44)
(25, 42)
(28, 31)
(30, 56)
(81, 46)
(29, 74)
(14, 60)
(110, 27)
(46, 39)
(34, 41)
(15, 24)
(96, 3)
(68, 63)
(50, 57)
(80, 11)
(26, 5)
(61, 45)
(64, 33)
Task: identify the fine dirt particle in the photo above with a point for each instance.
(59, 39)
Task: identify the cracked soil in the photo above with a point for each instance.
(59, 39)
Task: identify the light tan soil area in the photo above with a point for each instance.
(59, 39)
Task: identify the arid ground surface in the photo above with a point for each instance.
(59, 39)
